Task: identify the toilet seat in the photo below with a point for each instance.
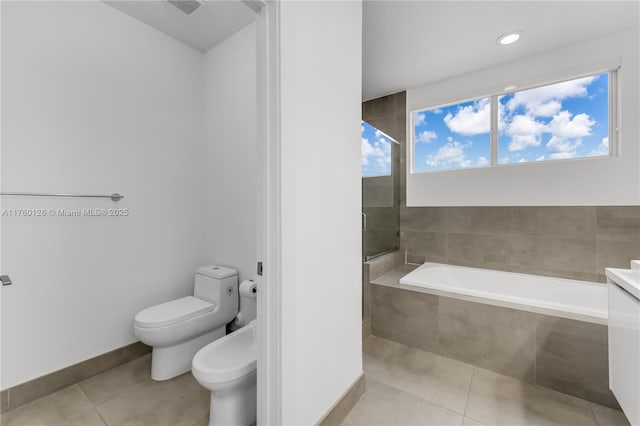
(173, 312)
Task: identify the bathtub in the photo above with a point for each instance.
(550, 332)
(572, 299)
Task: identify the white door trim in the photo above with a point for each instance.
(269, 216)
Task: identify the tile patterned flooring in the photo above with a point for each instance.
(405, 386)
(125, 395)
(408, 386)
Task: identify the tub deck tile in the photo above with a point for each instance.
(495, 338)
(405, 316)
(572, 357)
(392, 277)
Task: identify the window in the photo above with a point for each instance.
(563, 120)
(376, 152)
(453, 137)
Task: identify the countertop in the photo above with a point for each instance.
(628, 279)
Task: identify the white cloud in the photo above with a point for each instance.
(563, 126)
(522, 160)
(471, 120)
(601, 149)
(547, 109)
(545, 101)
(525, 131)
(540, 158)
(368, 150)
(419, 118)
(449, 155)
(482, 162)
(376, 154)
(426, 136)
(567, 133)
(563, 154)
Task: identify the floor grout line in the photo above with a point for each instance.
(85, 394)
(101, 418)
(593, 413)
(421, 398)
(466, 404)
(95, 406)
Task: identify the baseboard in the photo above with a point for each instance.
(37, 388)
(345, 404)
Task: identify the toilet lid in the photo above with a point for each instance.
(172, 312)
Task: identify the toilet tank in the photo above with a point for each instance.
(218, 285)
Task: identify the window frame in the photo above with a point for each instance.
(613, 123)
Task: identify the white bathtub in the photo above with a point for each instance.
(579, 300)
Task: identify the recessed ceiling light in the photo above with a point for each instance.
(508, 38)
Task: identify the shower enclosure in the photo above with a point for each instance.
(380, 193)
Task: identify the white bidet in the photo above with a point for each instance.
(227, 367)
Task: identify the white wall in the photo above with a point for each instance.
(95, 102)
(321, 60)
(592, 181)
(230, 152)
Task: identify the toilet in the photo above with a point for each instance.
(178, 329)
(227, 367)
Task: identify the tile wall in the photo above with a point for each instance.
(561, 354)
(566, 242)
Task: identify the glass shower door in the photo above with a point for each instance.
(380, 193)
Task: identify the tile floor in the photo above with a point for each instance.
(408, 386)
(125, 395)
(405, 386)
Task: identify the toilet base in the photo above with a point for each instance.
(234, 403)
(171, 361)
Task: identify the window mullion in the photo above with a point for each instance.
(494, 130)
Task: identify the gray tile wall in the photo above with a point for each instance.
(374, 269)
(561, 354)
(566, 242)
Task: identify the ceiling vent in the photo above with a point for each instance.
(187, 6)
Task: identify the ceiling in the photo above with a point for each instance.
(412, 43)
(203, 29)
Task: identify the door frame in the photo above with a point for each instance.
(269, 366)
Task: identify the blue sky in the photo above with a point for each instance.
(563, 120)
(453, 137)
(376, 152)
